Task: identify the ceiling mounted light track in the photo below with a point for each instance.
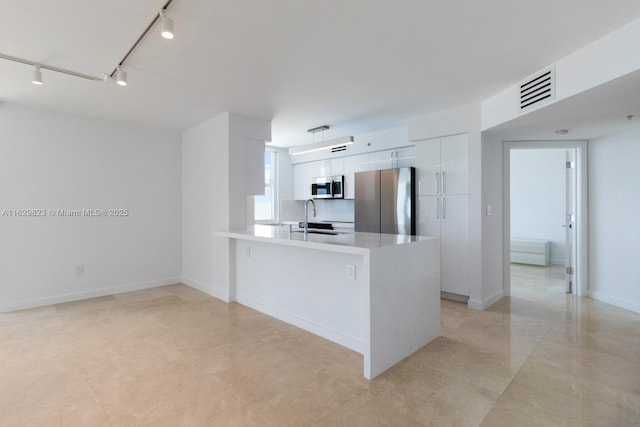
(160, 16)
(118, 74)
(48, 67)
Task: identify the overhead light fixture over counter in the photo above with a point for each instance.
(331, 144)
(118, 74)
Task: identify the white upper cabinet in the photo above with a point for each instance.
(327, 167)
(353, 164)
(443, 165)
(302, 174)
(396, 158)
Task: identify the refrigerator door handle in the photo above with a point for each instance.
(436, 183)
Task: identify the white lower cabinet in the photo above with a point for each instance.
(397, 158)
(448, 218)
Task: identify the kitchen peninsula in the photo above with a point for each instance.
(377, 294)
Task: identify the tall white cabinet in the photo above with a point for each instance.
(443, 206)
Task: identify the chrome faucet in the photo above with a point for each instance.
(306, 214)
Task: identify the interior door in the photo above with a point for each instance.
(570, 221)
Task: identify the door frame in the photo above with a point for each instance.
(582, 221)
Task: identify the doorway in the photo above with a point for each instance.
(545, 217)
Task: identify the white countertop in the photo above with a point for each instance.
(354, 243)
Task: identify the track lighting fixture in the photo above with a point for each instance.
(166, 25)
(36, 76)
(121, 77)
(118, 74)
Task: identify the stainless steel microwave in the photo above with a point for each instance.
(328, 187)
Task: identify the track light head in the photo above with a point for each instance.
(166, 25)
(36, 76)
(121, 77)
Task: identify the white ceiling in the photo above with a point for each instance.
(357, 65)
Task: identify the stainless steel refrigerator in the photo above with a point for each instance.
(385, 201)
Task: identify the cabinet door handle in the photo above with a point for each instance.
(436, 183)
(444, 208)
(444, 182)
(436, 207)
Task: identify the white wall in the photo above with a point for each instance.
(493, 253)
(205, 196)
(215, 197)
(614, 228)
(538, 197)
(612, 56)
(326, 210)
(57, 161)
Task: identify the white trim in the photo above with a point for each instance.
(487, 302)
(618, 302)
(77, 296)
(582, 217)
(216, 293)
(315, 328)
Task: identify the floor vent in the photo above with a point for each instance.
(538, 89)
(339, 148)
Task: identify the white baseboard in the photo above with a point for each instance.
(618, 302)
(487, 302)
(317, 329)
(77, 296)
(211, 291)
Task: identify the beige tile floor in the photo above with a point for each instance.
(173, 356)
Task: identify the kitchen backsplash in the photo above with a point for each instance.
(327, 210)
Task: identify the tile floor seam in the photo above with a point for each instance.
(515, 375)
(97, 396)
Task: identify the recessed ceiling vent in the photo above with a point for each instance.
(339, 148)
(538, 89)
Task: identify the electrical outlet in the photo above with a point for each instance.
(351, 271)
(489, 210)
(79, 270)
